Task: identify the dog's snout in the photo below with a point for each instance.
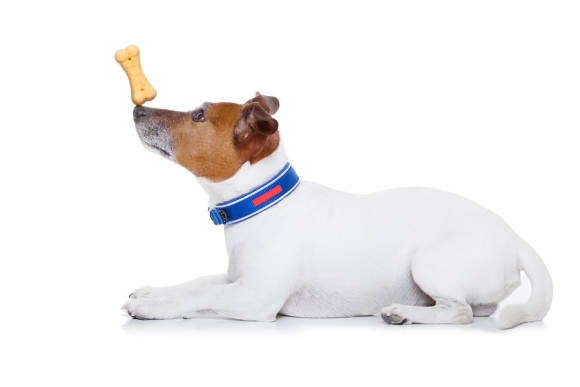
(139, 111)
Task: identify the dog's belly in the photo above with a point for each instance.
(316, 302)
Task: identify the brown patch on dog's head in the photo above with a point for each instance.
(215, 140)
(206, 147)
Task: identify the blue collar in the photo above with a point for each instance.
(257, 200)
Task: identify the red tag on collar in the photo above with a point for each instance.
(267, 195)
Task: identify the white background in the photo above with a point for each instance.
(478, 98)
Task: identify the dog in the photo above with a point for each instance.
(296, 248)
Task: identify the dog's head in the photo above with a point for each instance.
(214, 140)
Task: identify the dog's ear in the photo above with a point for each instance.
(255, 132)
(256, 118)
(269, 104)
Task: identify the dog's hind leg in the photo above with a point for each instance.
(445, 311)
(167, 291)
(440, 273)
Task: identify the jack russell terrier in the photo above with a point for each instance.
(408, 255)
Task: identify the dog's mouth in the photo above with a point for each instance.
(154, 137)
(157, 149)
(162, 151)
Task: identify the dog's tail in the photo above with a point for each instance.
(539, 302)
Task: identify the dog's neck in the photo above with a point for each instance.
(248, 177)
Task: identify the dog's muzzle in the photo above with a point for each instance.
(152, 131)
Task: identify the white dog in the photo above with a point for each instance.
(410, 255)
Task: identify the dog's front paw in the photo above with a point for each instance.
(154, 309)
(144, 292)
(392, 315)
(141, 309)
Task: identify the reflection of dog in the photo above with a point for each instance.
(415, 255)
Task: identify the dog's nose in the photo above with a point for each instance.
(139, 111)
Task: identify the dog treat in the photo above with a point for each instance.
(141, 89)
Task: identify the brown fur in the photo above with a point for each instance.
(231, 135)
(206, 148)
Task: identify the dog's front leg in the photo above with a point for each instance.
(167, 291)
(238, 300)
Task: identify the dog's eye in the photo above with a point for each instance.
(198, 116)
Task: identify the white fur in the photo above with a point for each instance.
(247, 178)
(325, 253)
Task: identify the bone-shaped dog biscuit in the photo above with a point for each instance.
(141, 89)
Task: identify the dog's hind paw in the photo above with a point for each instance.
(393, 319)
(390, 316)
